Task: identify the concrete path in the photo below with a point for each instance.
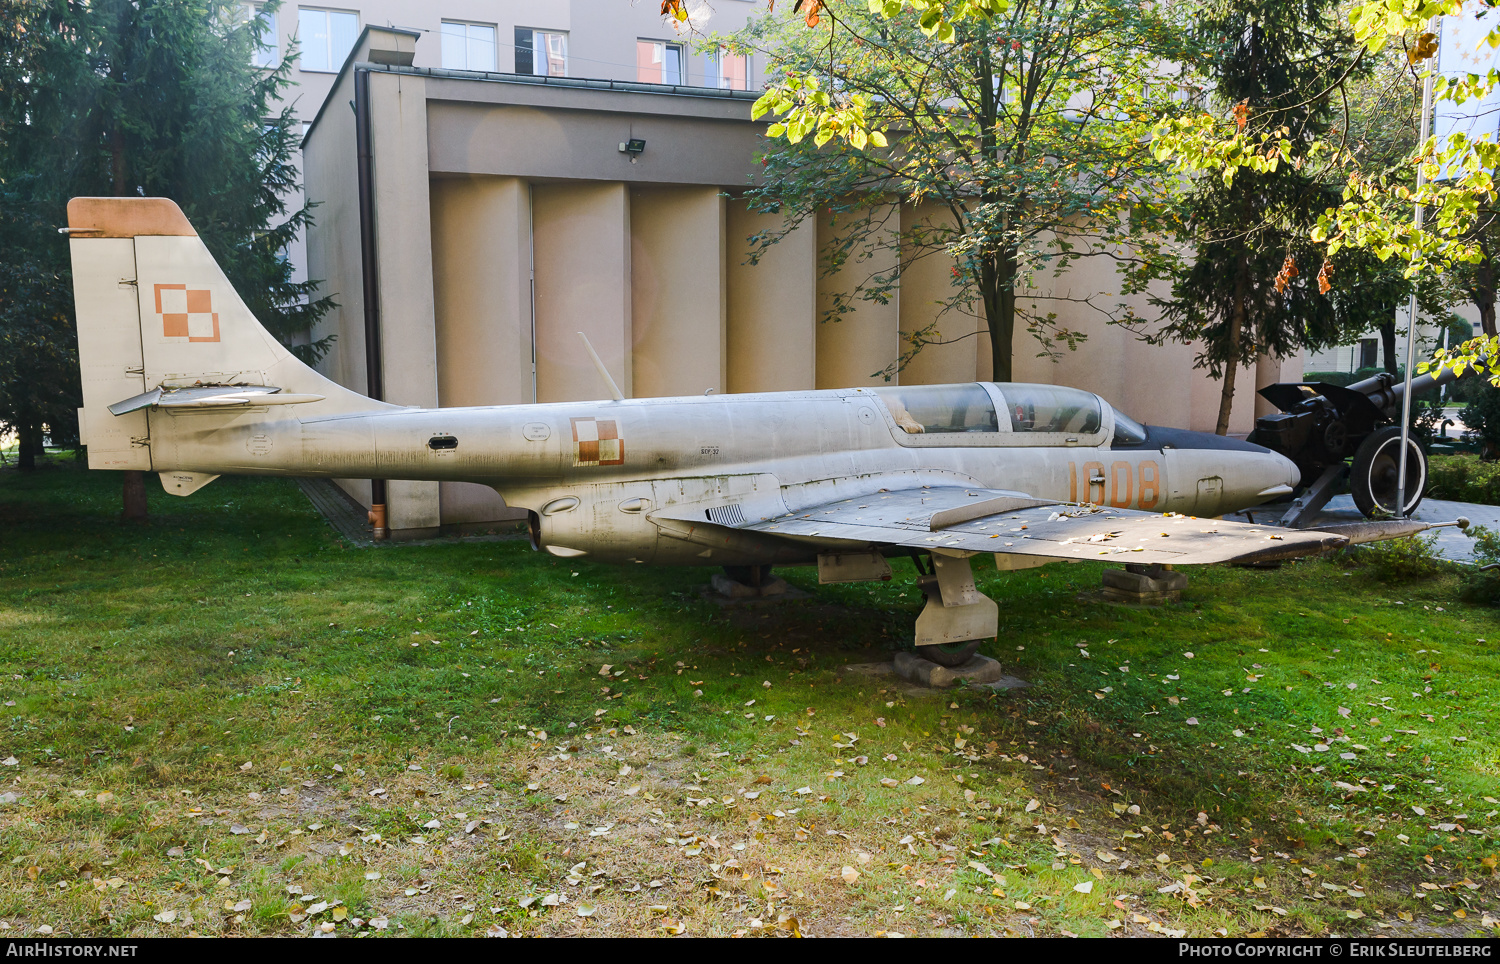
(1452, 544)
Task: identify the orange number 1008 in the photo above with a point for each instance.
(1140, 484)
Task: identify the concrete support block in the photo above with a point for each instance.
(1144, 585)
(734, 589)
(924, 672)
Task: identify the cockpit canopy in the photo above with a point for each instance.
(969, 408)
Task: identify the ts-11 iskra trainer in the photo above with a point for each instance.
(179, 378)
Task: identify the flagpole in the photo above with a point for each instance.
(1411, 304)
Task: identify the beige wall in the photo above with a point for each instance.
(403, 238)
(926, 284)
(770, 336)
(581, 245)
(551, 133)
(481, 278)
(481, 256)
(865, 339)
(677, 287)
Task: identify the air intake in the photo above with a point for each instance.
(726, 515)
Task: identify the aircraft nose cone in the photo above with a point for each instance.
(1241, 473)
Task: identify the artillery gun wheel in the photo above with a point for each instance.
(1373, 476)
(950, 654)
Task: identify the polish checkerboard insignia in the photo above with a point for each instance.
(597, 441)
(187, 313)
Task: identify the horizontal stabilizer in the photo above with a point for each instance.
(212, 396)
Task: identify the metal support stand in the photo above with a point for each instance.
(1317, 495)
(956, 611)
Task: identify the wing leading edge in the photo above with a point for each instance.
(971, 520)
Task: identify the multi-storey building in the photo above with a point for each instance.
(620, 40)
(507, 211)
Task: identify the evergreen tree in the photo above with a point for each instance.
(1256, 283)
(136, 98)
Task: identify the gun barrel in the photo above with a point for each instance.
(1384, 391)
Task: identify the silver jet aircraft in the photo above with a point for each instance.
(180, 379)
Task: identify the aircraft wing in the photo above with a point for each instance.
(986, 520)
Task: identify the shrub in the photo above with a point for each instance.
(1483, 587)
(1399, 560)
(1482, 416)
(1464, 478)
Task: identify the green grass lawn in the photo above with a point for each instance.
(227, 721)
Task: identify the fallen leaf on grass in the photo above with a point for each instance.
(849, 874)
(165, 917)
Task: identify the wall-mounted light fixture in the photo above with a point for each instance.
(634, 147)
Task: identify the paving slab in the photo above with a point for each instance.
(1452, 544)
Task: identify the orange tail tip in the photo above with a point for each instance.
(127, 217)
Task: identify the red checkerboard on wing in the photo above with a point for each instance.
(187, 313)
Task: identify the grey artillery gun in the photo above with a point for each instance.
(1333, 430)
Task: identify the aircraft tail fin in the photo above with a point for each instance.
(158, 322)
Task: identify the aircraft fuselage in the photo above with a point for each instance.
(650, 480)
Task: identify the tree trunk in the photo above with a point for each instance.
(29, 446)
(1483, 291)
(997, 280)
(134, 495)
(1232, 366)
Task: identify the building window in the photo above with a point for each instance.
(1367, 353)
(327, 36)
(268, 52)
(658, 63)
(541, 52)
(728, 71)
(468, 46)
